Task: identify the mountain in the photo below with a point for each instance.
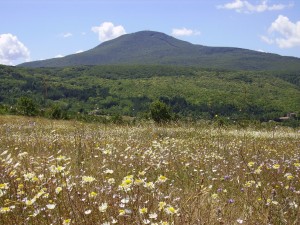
(149, 47)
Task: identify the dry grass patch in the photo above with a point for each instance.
(66, 172)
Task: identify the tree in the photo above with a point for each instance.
(160, 112)
(27, 107)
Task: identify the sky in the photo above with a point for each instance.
(40, 29)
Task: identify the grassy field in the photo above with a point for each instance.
(67, 172)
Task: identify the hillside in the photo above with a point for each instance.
(149, 47)
(129, 90)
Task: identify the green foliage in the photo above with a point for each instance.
(160, 112)
(191, 92)
(3, 109)
(26, 107)
(117, 119)
(56, 112)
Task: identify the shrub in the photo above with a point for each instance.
(56, 112)
(26, 107)
(160, 112)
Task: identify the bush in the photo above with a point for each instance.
(160, 112)
(26, 107)
(117, 119)
(56, 112)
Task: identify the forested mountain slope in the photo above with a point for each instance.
(149, 47)
(129, 90)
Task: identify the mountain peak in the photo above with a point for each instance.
(152, 34)
(147, 34)
(145, 39)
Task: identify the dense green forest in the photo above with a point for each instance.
(190, 92)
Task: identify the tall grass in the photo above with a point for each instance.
(66, 172)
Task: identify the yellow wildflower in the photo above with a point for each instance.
(126, 183)
(29, 176)
(67, 222)
(276, 166)
(87, 179)
(297, 164)
(12, 173)
(121, 212)
(142, 173)
(258, 170)
(35, 179)
(138, 181)
(249, 183)
(149, 185)
(58, 190)
(161, 205)
(30, 202)
(289, 176)
(143, 210)
(162, 179)
(214, 196)
(4, 186)
(92, 194)
(171, 210)
(250, 164)
(5, 209)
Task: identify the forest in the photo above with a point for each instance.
(129, 90)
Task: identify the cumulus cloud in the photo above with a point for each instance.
(283, 32)
(11, 49)
(243, 6)
(184, 32)
(108, 31)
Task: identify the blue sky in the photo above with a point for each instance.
(41, 29)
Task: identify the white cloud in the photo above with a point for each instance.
(260, 50)
(79, 51)
(238, 4)
(108, 31)
(66, 35)
(184, 32)
(243, 6)
(284, 33)
(11, 49)
(58, 56)
(267, 40)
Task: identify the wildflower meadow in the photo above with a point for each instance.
(68, 172)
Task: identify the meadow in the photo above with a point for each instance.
(68, 172)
